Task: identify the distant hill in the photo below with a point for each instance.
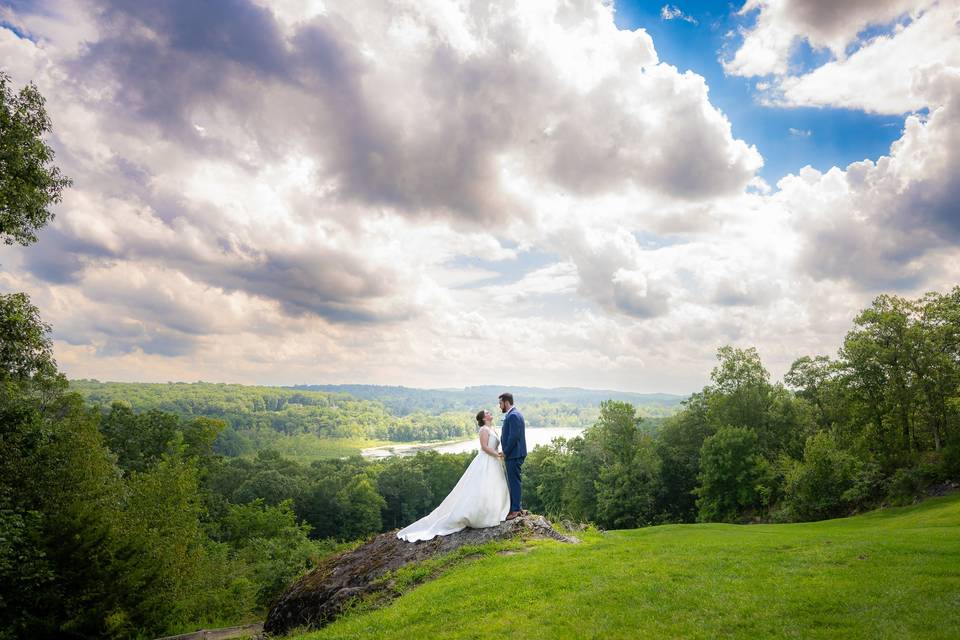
(351, 416)
(402, 400)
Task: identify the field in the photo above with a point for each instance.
(893, 573)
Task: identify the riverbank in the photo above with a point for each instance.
(534, 436)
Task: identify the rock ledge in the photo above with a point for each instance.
(320, 596)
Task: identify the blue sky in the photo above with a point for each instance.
(836, 137)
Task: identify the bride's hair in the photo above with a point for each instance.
(480, 418)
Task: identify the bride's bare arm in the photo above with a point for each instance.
(485, 441)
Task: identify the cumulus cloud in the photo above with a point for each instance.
(767, 45)
(877, 223)
(266, 192)
(261, 153)
(888, 73)
(876, 71)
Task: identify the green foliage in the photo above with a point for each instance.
(406, 493)
(820, 486)
(263, 417)
(541, 407)
(361, 507)
(731, 473)
(678, 446)
(273, 546)
(29, 181)
(903, 369)
(951, 462)
(906, 486)
(545, 471)
(627, 485)
(140, 440)
(26, 353)
(610, 475)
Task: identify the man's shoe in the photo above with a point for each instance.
(513, 515)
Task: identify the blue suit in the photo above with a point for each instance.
(514, 445)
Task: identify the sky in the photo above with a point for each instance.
(516, 192)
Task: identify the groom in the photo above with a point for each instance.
(514, 447)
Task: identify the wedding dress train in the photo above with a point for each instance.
(480, 499)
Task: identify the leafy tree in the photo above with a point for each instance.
(877, 355)
(361, 506)
(26, 352)
(545, 473)
(269, 485)
(273, 546)
(678, 446)
(818, 487)
(29, 181)
(731, 473)
(406, 493)
(629, 472)
(742, 395)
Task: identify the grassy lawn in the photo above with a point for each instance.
(888, 574)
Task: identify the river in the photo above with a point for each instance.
(542, 435)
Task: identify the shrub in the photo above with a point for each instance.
(817, 487)
(951, 463)
(906, 486)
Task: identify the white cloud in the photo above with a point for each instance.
(341, 193)
(886, 75)
(673, 12)
(878, 73)
(780, 24)
(884, 224)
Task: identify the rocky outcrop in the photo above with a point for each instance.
(321, 595)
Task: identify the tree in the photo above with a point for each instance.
(545, 472)
(732, 470)
(816, 487)
(29, 181)
(626, 487)
(405, 491)
(359, 500)
(26, 352)
(678, 446)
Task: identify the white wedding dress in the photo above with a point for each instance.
(480, 499)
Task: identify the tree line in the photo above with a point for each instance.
(877, 424)
(256, 416)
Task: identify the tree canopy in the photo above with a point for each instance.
(29, 181)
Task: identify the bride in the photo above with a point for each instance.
(480, 498)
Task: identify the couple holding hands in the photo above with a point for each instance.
(488, 492)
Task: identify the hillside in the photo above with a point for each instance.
(893, 573)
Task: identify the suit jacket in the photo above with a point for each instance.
(513, 438)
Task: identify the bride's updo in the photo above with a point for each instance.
(480, 418)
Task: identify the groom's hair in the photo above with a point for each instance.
(507, 396)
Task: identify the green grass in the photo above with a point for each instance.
(888, 574)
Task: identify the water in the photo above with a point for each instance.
(534, 437)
